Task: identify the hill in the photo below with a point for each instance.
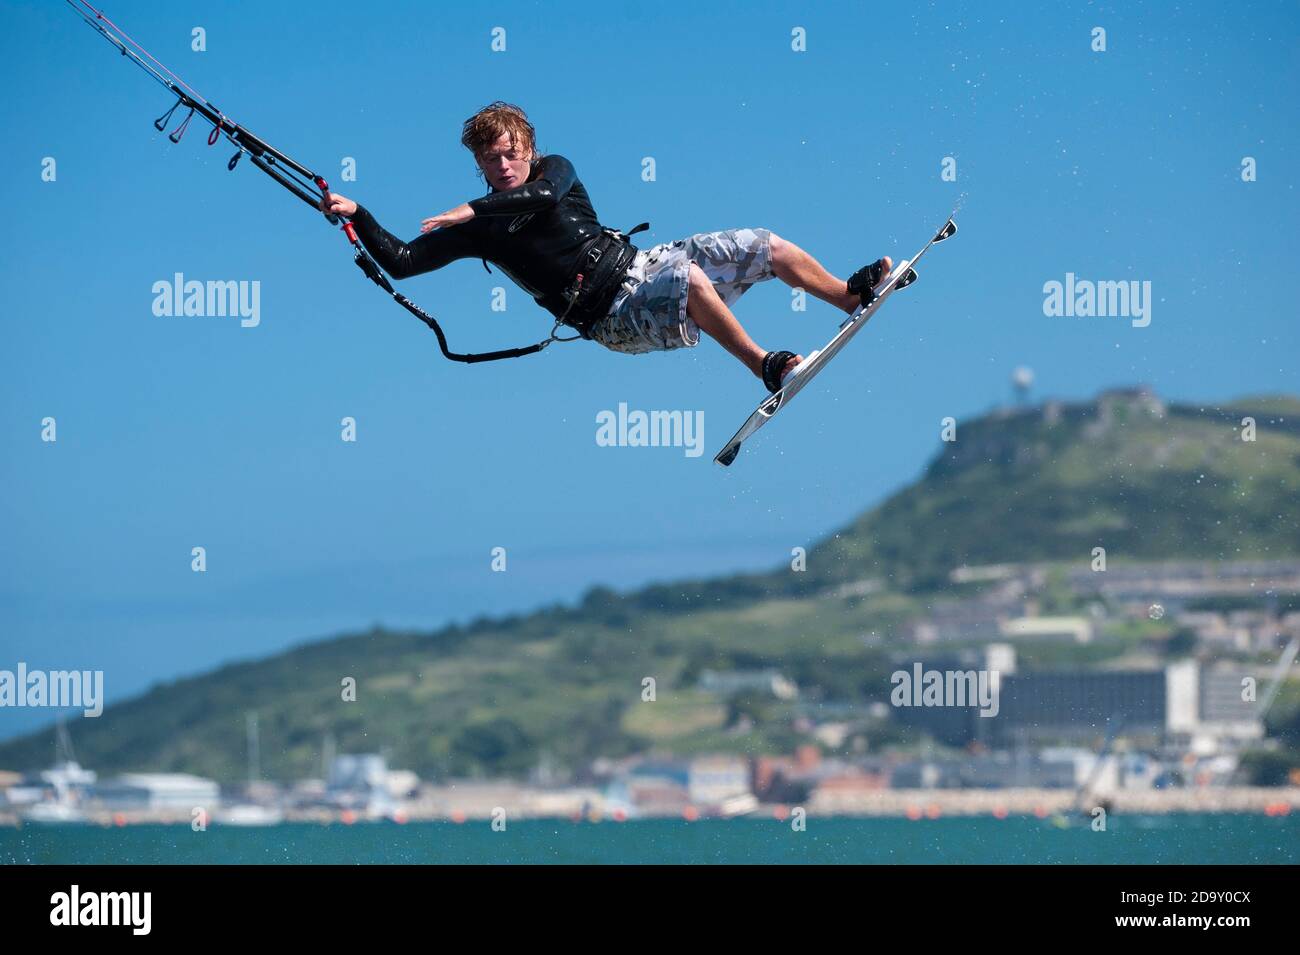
(562, 686)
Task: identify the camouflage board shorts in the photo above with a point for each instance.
(649, 311)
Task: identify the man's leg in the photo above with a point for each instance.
(793, 266)
(710, 313)
(798, 269)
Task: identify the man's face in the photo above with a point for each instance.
(505, 165)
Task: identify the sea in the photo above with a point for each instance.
(1209, 839)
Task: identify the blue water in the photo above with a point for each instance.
(1181, 839)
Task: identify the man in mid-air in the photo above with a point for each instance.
(538, 226)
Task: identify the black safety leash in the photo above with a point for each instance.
(294, 176)
(376, 275)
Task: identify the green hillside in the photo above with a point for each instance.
(564, 685)
(1113, 473)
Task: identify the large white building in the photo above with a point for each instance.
(158, 791)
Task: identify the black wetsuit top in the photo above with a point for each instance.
(534, 233)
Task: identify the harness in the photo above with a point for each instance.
(599, 275)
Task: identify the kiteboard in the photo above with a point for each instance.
(902, 275)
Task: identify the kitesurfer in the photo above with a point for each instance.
(538, 226)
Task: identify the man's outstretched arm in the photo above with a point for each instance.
(401, 259)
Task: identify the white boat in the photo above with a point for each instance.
(738, 805)
(67, 781)
(57, 812)
(249, 814)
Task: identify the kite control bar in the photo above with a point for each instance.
(293, 176)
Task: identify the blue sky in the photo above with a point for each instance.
(183, 432)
